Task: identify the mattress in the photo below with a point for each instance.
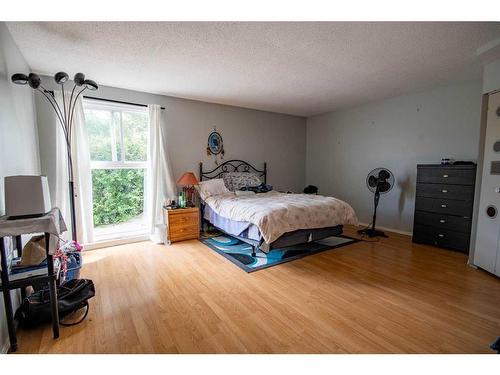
(232, 227)
(273, 214)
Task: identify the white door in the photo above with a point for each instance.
(487, 251)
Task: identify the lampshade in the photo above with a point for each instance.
(188, 178)
(61, 78)
(34, 80)
(89, 84)
(79, 79)
(20, 79)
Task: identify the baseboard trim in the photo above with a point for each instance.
(4, 349)
(389, 229)
(116, 242)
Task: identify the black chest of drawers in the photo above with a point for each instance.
(443, 205)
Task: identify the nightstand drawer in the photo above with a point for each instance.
(179, 233)
(182, 219)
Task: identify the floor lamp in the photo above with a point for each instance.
(65, 116)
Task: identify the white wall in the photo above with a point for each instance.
(397, 133)
(18, 140)
(491, 83)
(18, 131)
(250, 135)
(491, 76)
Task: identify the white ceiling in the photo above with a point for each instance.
(289, 67)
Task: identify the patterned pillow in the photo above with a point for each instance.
(236, 180)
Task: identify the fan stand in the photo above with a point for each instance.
(372, 232)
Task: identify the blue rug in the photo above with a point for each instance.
(240, 252)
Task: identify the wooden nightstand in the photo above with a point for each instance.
(182, 224)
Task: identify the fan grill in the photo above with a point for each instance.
(382, 177)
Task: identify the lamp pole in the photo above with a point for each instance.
(65, 117)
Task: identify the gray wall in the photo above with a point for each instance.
(397, 133)
(251, 135)
(18, 133)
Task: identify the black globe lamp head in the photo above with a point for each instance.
(79, 79)
(34, 81)
(61, 78)
(91, 85)
(19, 79)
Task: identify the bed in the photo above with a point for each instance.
(270, 220)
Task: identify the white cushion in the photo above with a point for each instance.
(212, 187)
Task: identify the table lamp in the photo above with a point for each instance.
(188, 180)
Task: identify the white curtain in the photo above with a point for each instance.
(161, 184)
(81, 174)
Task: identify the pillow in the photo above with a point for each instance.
(236, 180)
(212, 187)
(243, 193)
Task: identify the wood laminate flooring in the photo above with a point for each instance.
(390, 296)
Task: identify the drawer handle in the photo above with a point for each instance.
(444, 206)
(444, 191)
(440, 235)
(445, 176)
(442, 221)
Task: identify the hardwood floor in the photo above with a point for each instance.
(390, 296)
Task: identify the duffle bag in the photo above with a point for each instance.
(72, 296)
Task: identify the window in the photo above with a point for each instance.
(118, 137)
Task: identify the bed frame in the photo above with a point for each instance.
(288, 239)
(232, 166)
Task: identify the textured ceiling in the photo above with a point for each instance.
(289, 67)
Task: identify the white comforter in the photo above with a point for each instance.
(278, 213)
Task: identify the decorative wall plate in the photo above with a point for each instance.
(215, 144)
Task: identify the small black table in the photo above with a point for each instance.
(52, 225)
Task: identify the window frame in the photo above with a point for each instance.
(90, 104)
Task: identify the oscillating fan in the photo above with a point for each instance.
(379, 181)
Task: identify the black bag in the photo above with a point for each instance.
(262, 188)
(71, 297)
(310, 189)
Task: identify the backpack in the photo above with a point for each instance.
(310, 189)
(72, 296)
